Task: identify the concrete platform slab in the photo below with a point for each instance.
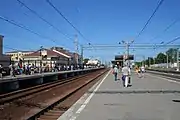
(109, 100)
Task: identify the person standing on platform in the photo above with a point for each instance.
(12, 70)
(129, 78)
(32, 69)
(1, 71)
(115, 72)
(26, 69)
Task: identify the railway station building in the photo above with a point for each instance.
(18, 55)
(51, 57)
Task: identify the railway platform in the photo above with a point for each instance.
(8, 84)
(150, 98)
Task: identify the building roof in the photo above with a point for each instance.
(64, 52)
(49, 53)
(61, 53)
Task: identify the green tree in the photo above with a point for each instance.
(85, 60)
(172, 54)
(149, 61)
(138, 63)
(161, 58)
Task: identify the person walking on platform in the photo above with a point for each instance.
(115, 72)
(142, 71)
(126, 76)
(137, 70)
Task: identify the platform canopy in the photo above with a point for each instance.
(121, 57)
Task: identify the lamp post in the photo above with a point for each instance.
(144, 62)
(41, 59)
(149, 62)
(177, 59)
(167, 60)
(82, 55)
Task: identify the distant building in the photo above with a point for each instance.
(93, 62)
(53, 56)
(18, 55)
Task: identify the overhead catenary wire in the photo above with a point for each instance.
(7, 47)
(43, 19)
(63, 16)
(24, 27)
(14, 49)
(148, 21)
(137, 48)
(173, 40)
(166, 29)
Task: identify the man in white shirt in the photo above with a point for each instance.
(126, 74)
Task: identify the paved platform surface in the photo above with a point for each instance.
(149, 98)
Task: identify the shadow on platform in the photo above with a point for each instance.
(135, 92)
(176, 101)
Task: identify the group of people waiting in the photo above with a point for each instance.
(29, 69)
(126, 74)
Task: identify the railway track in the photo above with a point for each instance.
(9, 97)
(164, 74)
(58, 108)
(43, 102)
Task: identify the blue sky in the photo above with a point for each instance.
(101, 21)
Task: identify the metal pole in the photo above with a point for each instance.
(173, 58)
(82, 55)
(167, 60)
(17, 57)
(149, 61)
(144, 62)
(76, 50)
(41, 59)
(177, 59)
(127, 55)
